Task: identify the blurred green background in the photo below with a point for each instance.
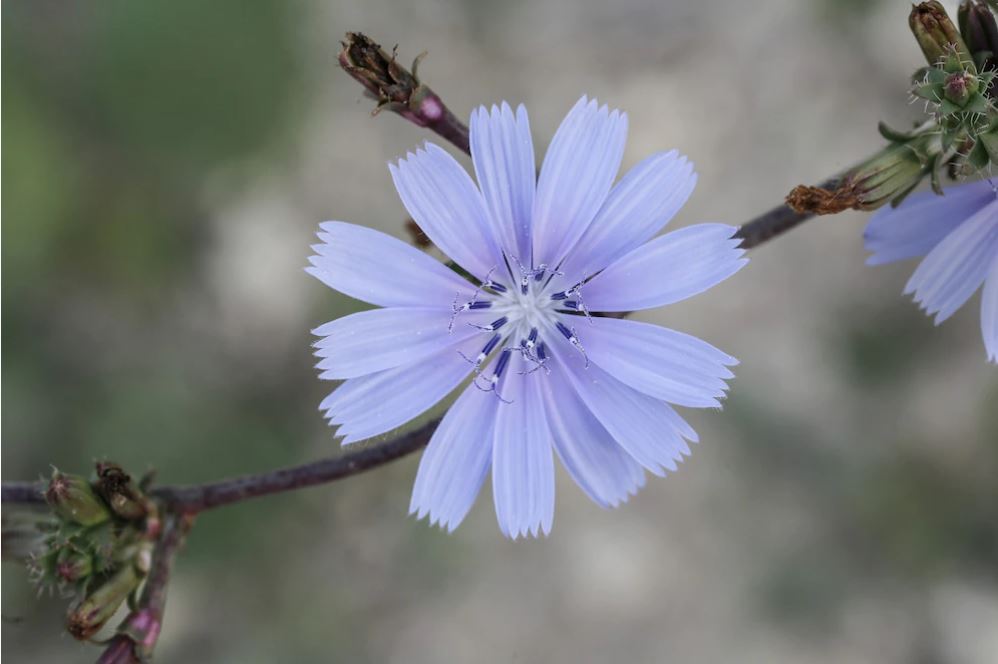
(165, 164)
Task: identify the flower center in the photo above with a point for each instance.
(524, 311)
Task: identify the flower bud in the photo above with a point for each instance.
(980, 34)
(978, 27)
(890, 175)
(959, 87)
(72, 499)
(118, 489)
(73, 565)
(87, 617)
(938, 37)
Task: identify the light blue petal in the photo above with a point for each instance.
(660, 362)
(379, 339)
(377, 268)
(444, 201)
(579, 167)
(456, 461)
(377, 403)
(637, 208)
(989, 313)
(600, 466)
(502, 151)
(522, 460)
(916, 226)
(648, 429)
(956, 268)
(668, 269)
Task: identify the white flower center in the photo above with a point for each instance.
(525, 310)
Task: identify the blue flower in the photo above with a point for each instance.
(958, 235)
(548, 376)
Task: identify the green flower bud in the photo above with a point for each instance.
(888, 176)
(959, 87)
(938, 37)
(73, 565)
(891, 174)
(73, 500)
(87, 617)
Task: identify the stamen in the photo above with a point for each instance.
(543, 269)
(492, 285)
(493, 381)
(488, 348)
(572, 339)
(473, 303)
(532, 337)
(527, 349)
(493, 326)
(470, 304)
(577, 304)
(537, 273)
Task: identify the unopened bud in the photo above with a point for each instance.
(890, 175)
(959, 87)
(72, 499)
(89, 615)
(980, 33)
(938, 37)
(120, 492)
(73, 565)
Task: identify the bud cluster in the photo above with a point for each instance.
(960, 90)
(958, 86)
(98, 547)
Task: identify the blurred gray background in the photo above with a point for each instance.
(165, 165)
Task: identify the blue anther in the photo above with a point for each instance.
(490, 346)
(501, 363)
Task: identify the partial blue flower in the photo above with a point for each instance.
(958, 235)
(548, 377)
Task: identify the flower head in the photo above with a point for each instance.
(958, 235)
(548, 375)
